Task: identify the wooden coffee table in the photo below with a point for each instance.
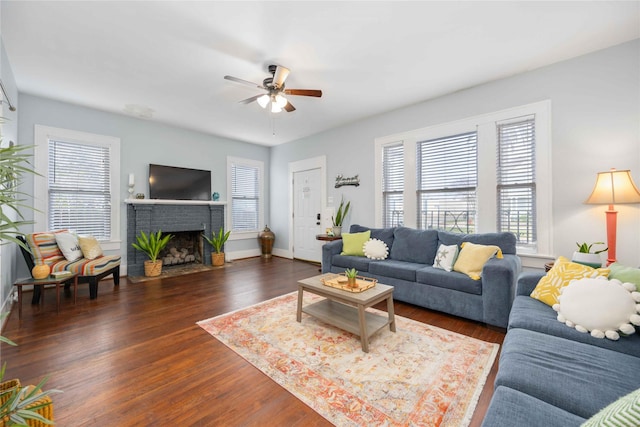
(346, 310)
(38, 287)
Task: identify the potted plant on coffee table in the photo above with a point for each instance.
(152, 245)
(339, 218)
(584, 255)
(217, 241)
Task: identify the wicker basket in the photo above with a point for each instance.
(45, 411)
(152, 269)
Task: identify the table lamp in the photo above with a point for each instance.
(613, 187)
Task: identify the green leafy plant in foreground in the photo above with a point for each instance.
(218, 241)
(152, 244)
(585, 248)
(351, 273)
(341, 214)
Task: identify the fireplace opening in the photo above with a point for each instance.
(185, 247)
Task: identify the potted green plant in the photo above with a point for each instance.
(217, 241)
(584, 255)
(352, 275)
(151, 245)
(338, 219)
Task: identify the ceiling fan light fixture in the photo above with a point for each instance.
(275, 108)
(280, 100)
(263, 101)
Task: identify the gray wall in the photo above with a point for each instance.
(595, 126)
(143, 142)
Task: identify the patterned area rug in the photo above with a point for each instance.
(419, 376)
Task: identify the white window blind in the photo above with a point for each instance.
(245, 197)
(447, 177)
(79, 188)
(516, 187)
(393, 185)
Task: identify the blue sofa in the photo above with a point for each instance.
(409, 270)
(552, 375)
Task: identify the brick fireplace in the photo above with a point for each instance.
(186, 220)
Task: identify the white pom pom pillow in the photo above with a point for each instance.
(599, 306)
(375, 249)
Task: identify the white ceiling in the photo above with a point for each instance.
(367, 57)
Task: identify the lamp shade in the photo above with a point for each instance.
(614, 187)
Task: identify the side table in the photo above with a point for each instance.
(59, 281)
(327, 238)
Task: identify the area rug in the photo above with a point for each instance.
(419, 376)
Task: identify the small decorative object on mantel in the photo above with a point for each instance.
(266, 238)
(140, 196)
(215, 196)
(340, 181)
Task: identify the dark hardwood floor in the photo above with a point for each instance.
(135, 356)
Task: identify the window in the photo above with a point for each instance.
(447, 179)
(482, 174)
(245, 180)
(393, 185)
(516, 189)
(78, 189)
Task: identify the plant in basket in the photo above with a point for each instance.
(151, 245)
(217, 241)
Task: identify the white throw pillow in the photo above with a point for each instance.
(599, 306)
(375, 249)
(446, 257)
(68, 244)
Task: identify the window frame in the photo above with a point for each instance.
(485, 125)
(241, 235)
(42, 135)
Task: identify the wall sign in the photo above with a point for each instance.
(340, 181)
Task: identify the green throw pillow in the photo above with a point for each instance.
(352, 243)
(625, 274)
(623, 412)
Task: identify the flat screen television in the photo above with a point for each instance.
(174, 183)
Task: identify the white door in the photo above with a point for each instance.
(306, 215)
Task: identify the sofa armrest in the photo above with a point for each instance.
(328, 251)
(498, 288)
(527, 282)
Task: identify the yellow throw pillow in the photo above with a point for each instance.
(563, 272)
(90, 247)
(353, 243)
(473, 257)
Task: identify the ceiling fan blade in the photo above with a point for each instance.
(280, 76)
(244, 82)
(304, 92)
(250, 100)
(289, 107)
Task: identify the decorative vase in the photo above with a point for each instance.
(591, 260)
(266, 239)
(153, 268)
(40, 271)
(352, 282)
(217, 259)
(337, 230)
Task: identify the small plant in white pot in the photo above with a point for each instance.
(339, 218)
(217, 241)
(584, 255)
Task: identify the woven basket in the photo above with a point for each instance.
(152, 269)
(46, 411)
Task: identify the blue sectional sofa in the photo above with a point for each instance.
(552, 375)
(409, 269)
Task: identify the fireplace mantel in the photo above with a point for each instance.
(171, 202)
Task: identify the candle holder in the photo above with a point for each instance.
(131, 189)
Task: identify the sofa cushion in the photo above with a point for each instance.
(384, 234)
(473, 257)
(449, 280)
(396, 269)
(44, 247)
(563, 272)
(353, 243)
(86, 267)
(413, 245)
(623, 412)
(573, 376)
(510, 408)
(348, 261)
(506, 241)
(529, 313)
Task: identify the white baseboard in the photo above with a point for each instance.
(249, 253)
(283, 253)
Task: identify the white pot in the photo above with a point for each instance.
(592, 260)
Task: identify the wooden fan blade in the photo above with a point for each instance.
(244, 82)
(304, 92)
(280, 76)
(289, 107)
(249, 100)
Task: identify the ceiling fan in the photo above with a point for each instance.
(275, 91)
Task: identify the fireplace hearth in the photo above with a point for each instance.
(185, 220)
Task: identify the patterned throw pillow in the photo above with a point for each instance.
(90, 247)
(375, 249)
(68, 244)
(44, 248)
(563, 272)
(446, 257)
(473, 257)
(623, 412)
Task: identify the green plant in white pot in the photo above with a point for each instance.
(584, 254)
(338, 219)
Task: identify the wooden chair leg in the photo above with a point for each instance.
(93, 288)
